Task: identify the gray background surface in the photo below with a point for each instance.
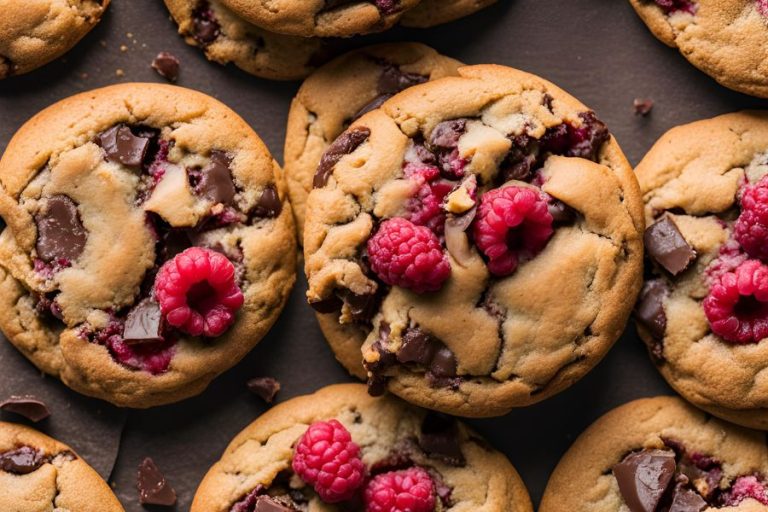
(596, 49)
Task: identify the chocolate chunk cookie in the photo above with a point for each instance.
(474, 244)
(340, 92)
(703, 311)
(39, 473)
(148, 245)
(383, 452)
(436, 12)
(35, 32)
(661, 454)
(726, 39)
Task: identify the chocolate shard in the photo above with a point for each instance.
(123, 147)
(21, 461)
(393, 80)
(269, 204)
(268, 504)
(216, 179)
(60, 233)
(144, 323)
(667, 247)
(28, 406)
(649, 310)
(440, 439)
(167, 65)
(265, 387)
(687, 500)
(345, 144)
(154, 489)
(644, 477)
(642, 106)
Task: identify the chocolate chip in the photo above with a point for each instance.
(21, 461)
(666, 245)
(393, 80)
(248, 502)
(269, 205)
(123, 147)
(216, 179)
(205, 27)
(443, 363)
(265, 387)
(144, 323)
(686, 500)
(447, 133)
(417, 347)
(440, 439)
(167, 65)
(345, 144)
(153, 487)
(268, 504)
(643, 478)
(60, 233)
(642, 107)
(28, 406)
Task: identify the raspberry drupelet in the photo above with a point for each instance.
(751, 228)
(425, 208)
(409, 490)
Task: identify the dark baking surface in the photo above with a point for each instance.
(596, 49)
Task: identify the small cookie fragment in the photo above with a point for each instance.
(153, 487)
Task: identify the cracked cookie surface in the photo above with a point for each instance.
(101, 193)
(430, 13)
(561, 290)
(39, 474)
(468, 475)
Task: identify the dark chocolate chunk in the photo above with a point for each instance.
(265, 387)
(269, 204)
(28, 406)
(642, 107)
(154, 489)
(205, 27)
(561, 213)
(144, 323)
(643, 478)
(687, 500)
(376, 381)
(60, 233)
(325, 306)
(21, 461)
(393, 80)
(667, 247)
(268, 504)
(248, 502)
(440, 439)
(650, 307)
(361, 307)
(345, 144)
(417, 347)
(216, 179)
(447, 133)
(371, 105)
(167, 65)
(123, 147)
(443, 363)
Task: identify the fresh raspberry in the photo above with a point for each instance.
(670, 6)
(751, 228)
(327, 459)
(197, 292)
(746, 487)
(409, 490)
(410, 256)
(513, 225)
(737, 304)
(154, 358)
(426, 207)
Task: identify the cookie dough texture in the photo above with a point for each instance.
(726, 39)
(35, 32)
(63, 482)
(430, 13)
(696, 171)
(583, 480)
(487, 483)
(330, 99)
(560, 312)
(55, 153)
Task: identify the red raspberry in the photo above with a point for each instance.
(327, 459)
(410, 256)
(409, 490)
(751, 228)
(737, 304)
(513, 225)
(426, 207)
(746, 487)
(197, 292)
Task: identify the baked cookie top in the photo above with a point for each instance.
(339, 93)
(35, 32)
(39, 473)
(479, 237)
(703, 185)
(436, 12)
(661, 454)
(726, 39)
(377, 443)
(148, 245)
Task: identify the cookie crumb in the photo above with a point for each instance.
(28, 406)
(265, 387)
(642, 106)
(167, 65)
(123, 48)
(119, 72)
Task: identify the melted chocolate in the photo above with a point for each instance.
(60, 233)
(666, 245)
(216, 179)
(440, 439)
(21, 461)
(345, 144)
(269, 205)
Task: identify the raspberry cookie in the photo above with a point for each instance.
(148, 246)
(704, 311)
(340, 449)
(474, 244)
(726, 39)
(436, 12)
(39, 473)
(661, 455)
(342, 91)
(35, 32)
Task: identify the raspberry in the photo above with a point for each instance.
(409, 490)
(513, 225)
(751, 228)
(327, 459)
(746, 487)
(762, 7)
(197, 292)
(426, 207)
(737, 304)
(670, 6)
(410, 256)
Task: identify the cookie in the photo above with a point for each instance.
(39, 473)
(430, 13)
(703, 187)
(660, 454)
(35, 32)
(340, 92)
(424, 209)
(149, 246)
(725, 39)
(450, 467)
(226, 37)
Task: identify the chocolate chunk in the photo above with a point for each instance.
(687, 500)
(167, 65)
(144, 323)
(123, 147)
(447, 133)
(642, 107)
(443, 363)
(205, 27)
(216, 179)
(269, 204)
(268, 504)
(643, 477)
(265, 387)
(248, 502)
(361, 307)
(28, 406)
(371, 105)
(392, 80)
(649, 310)
(60, 233)
(325, 306)
(153, 487)
(561, 213)
(666, 245)
(21, 461)
(345, 144)
(418, 347)
(376, 381)
(440, 439)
